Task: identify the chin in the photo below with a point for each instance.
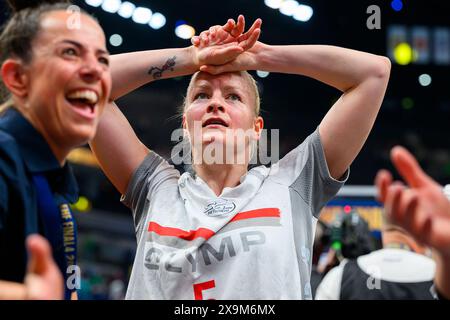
(216, 137)
(81, 135)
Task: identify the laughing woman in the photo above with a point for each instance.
(224, 231)
(58, 82)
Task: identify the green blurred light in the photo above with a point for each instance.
(407, 103)
(447, 169)
(336, 246)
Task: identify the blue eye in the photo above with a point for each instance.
(201, 95)
(234, 97)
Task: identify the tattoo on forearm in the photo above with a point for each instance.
(157, 72)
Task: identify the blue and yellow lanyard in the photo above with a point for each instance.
(59, 229)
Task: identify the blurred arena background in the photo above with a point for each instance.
(415, 113)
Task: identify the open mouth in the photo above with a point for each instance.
(84, 101)
(214, 122)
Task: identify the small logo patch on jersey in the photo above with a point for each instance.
(219, 207)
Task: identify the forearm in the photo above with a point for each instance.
(117, 148)
(363, 79)
(341, 68)
(132, 70)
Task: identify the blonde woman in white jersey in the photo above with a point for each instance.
(227, 232)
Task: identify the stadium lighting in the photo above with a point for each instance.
(292, 8)
(425, 80)
(142, 15)
(274, 4)
(158, 21)
(116, 40)
(403, 54)
(184, 31)
(288, 7)
(126, 9)
(94, 3)
(303, 13)
(262, 74)
(397, 5)
(111, 6)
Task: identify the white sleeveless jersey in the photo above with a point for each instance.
(254, 241)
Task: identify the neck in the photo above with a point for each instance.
(59, 152)
(224, 171)
(220, 176)
(398, 239)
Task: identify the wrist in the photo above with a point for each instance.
(261, 56)
(193, 61)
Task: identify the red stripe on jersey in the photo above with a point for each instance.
(182, 234)
(258, 213)
(207, 233)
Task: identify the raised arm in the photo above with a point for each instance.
(362, 77)
(116, 146)
(132, 70)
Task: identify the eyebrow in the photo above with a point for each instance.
(201, 86)
(226, 88)
(232, 88)
(80, 46)
(206, 85)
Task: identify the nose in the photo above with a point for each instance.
(91, 70)
(215, 105)
(214, 108)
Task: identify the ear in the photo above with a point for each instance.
(183, 121)
(258, 126)
(15, 78)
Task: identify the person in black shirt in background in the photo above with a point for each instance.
(400, 270)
